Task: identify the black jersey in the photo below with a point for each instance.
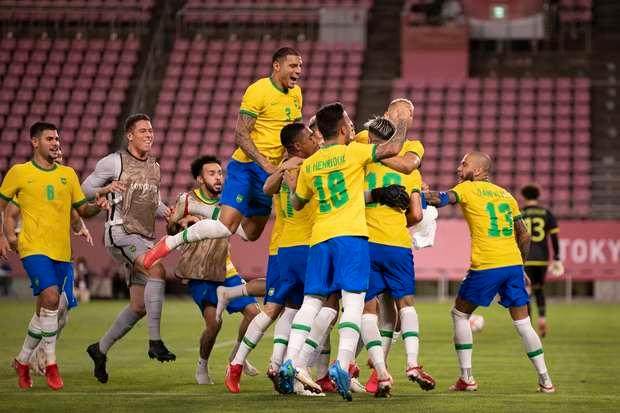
(540, 223)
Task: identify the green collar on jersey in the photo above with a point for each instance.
(204, 198)
(44, 169)
(283, 90)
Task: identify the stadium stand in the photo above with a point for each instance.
(205, 81)
(79, 84)
(536, 129)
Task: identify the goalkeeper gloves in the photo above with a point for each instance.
(395, 196)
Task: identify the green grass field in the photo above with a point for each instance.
(581, 351)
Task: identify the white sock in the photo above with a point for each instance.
(350, 326)
(33, 337)
(302, 324)
(463, 342)
(202, 364)
(280, 336)
(254, 333)
(533, 348)
(317, 334)
(410, 328)
(236, 291)
(386, 326)
(372, 340)
(322, 358)
(203, 229)
(48, 320)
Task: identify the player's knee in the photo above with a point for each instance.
(138, 308)
(406, 301)
(49, 298)
(251, 311)
(459, 315)
(272, 310)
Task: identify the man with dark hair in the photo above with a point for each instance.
(499, 246)
(268, 105)
(541, 225)
(47, 192)
(338, 259)
(206, 265)
(129, 178)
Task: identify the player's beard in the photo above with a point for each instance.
(212, 189)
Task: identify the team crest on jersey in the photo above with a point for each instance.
(132, 248)
(271, 292)
(239, 198)
(296, 102)
(63, 180)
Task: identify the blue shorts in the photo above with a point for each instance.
(340, 263)
(391, 271)
(292, 263)
(272, 281)
(243, 189)
(45, 272)
(480, 287)
(204, 292)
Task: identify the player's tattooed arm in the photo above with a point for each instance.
(439, 199)
(245, 124)
(392, 146)
(522, 237)
(90, 209)
(414, 213)
(405, 164)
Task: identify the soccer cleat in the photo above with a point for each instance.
(287, 377)
(202, 375)
(341, 378)
(158, 350)
(99, 359)
(222, 302)
(542, 327)
(24, 381)
(159, 251)
(418, 375)
(273, 375)
(300, 390)
(373, 382)
(249, 369)
(327, 386)
(233, 377)
(304, 378)
(356, 386)
(550, 388)
(384, 388)
(54, 381)
(462, 385)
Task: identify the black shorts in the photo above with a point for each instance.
(536, 273)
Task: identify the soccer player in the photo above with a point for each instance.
(284, 288)
(205, 265)
(46, 192)
(130, 180)
(499, 245)
(541, 225)
(338, 259)
(391, 260)
(268, 105)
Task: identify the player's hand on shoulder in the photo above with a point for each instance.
(269, 168)
(292, 163)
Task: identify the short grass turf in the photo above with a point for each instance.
(581, 351)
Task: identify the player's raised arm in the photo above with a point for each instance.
(439, 199)
(393, 146)
(522, 236)
(405, 164)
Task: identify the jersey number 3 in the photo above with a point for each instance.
(536, 227)
(337, 189)
(504, 209)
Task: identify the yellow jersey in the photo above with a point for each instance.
(46, 197)
(231, 271)
(410, 145)
(278, 224)
(334, 177)
(273, 108)
(386, 225)
(297, 225)
(490, 212)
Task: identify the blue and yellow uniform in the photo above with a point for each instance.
(205, 292)
(46, 197)
(272, 278)
(293, 248)
(496, 263)
(273, 108)
(334, 178)
(391, 259)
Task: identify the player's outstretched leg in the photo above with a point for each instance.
(463, 343)
(534, 350)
